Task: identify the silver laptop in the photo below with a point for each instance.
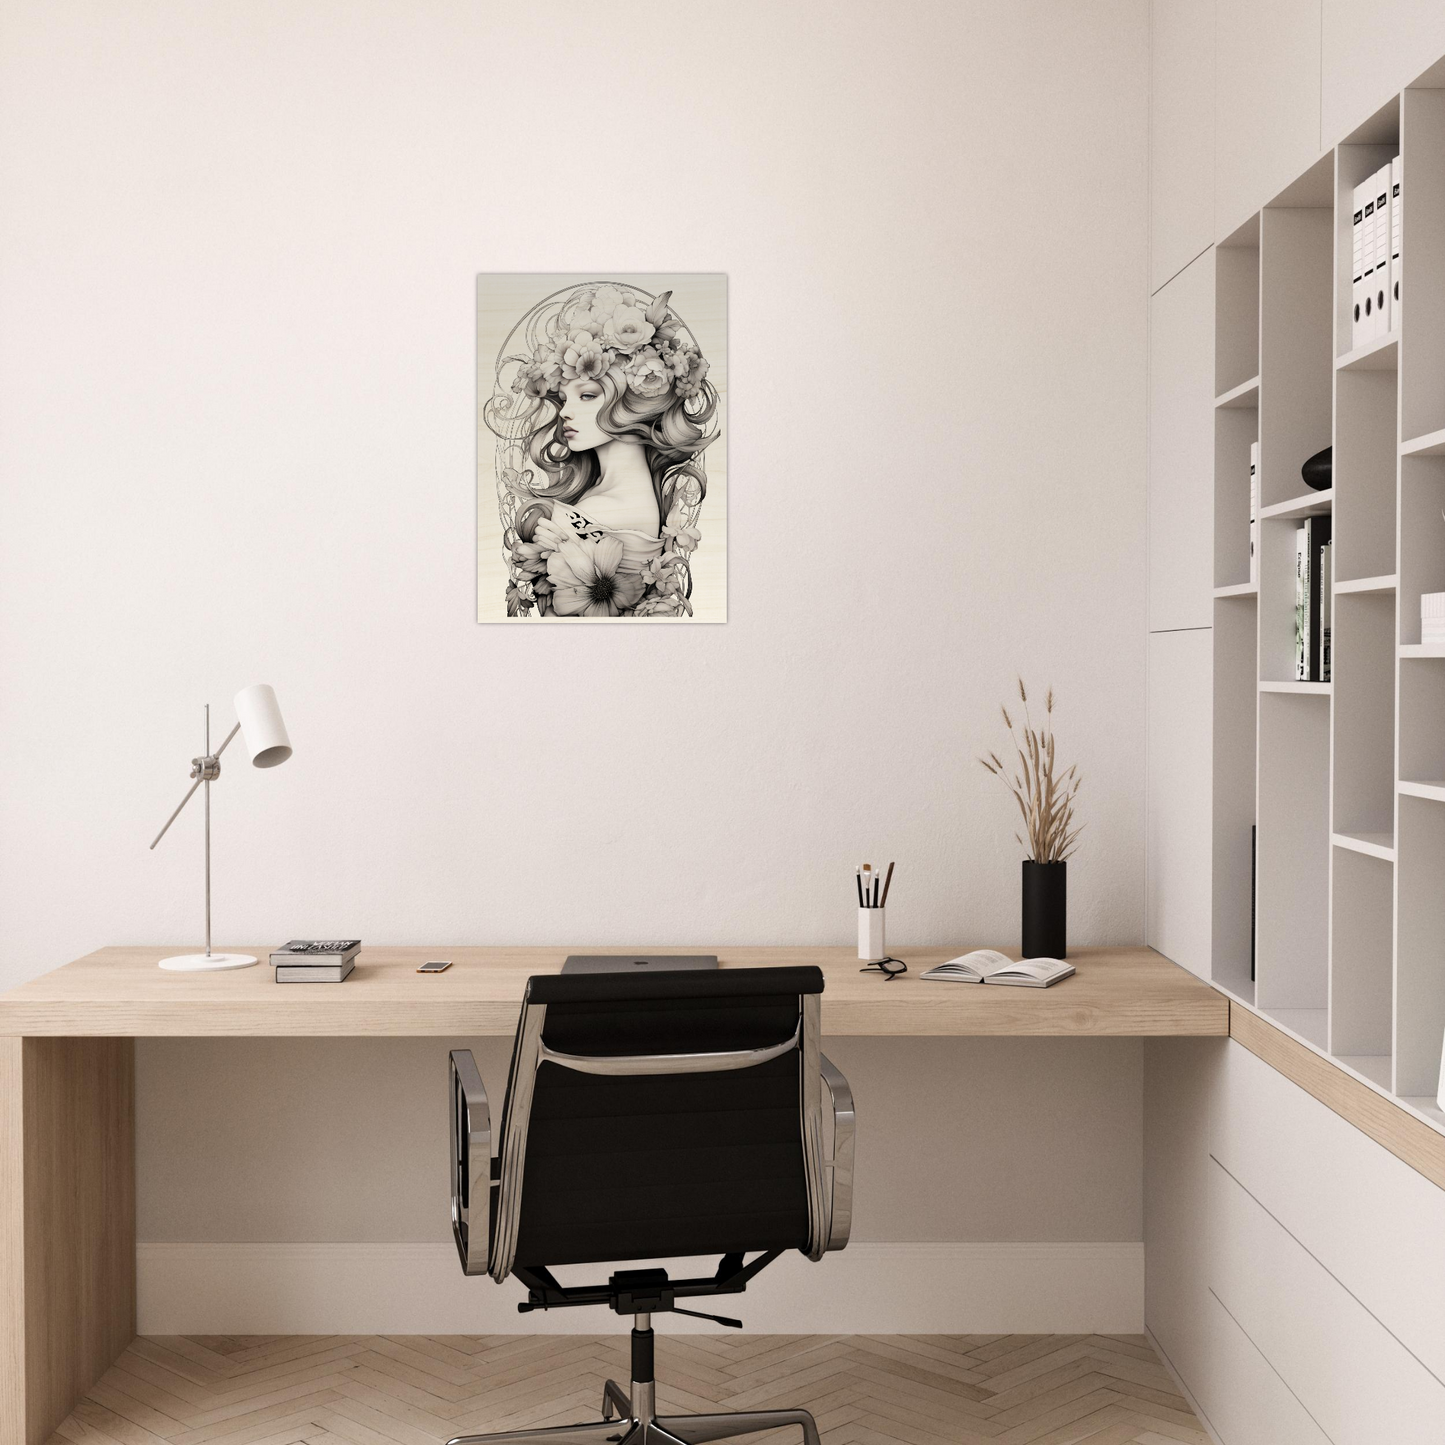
(637, 962)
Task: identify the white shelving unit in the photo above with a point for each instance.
(1344, 781)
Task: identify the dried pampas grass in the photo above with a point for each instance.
(1046, 801)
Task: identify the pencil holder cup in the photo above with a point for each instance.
(871, 946)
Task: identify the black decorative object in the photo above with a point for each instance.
(1319, 471)
(1045, 918)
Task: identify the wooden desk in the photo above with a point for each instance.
(67, 1091)
(119, 992)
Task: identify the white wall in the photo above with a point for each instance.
(237, 259)
(236, 367)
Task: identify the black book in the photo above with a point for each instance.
(1253, 892)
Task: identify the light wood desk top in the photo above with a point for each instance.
(119, 992)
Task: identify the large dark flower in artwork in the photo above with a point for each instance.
(587, 582)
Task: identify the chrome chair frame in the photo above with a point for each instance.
(486, 1211)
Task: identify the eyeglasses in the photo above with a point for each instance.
(890, 968)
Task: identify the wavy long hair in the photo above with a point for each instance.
(672, 431)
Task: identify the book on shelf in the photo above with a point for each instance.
(316, 952)
(1301, 606)
(988, 965)
(314, 972)
(1254, 513)
(1326, 606)
(1310, 613)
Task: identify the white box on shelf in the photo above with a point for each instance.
(1395, 228)
(1254, 514)
(1432, 617)
(1382, 251)
(1357, 266)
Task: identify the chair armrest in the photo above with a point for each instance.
(471, 1129)
(840, 1166)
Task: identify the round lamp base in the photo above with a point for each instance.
(207, 962)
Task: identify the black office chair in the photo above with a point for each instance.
(650, 1117)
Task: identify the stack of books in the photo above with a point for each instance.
(315, 960)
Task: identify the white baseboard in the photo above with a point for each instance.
(313, 1289)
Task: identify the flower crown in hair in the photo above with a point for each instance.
(612, 329)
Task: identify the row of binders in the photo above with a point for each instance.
(1312, 600)
(1375, 290)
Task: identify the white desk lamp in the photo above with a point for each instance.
(258, 720)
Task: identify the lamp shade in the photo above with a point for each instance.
(262, 730)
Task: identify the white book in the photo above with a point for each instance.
(1396, 227)
(1357, 267)
(1327, 573)
(1382, 251)
(1301, 605)
(988, 965)
(1254, 513)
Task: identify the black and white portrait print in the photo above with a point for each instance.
(601, 455)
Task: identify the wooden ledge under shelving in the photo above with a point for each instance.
(1373, 845)
(1244, 397)
(1367, 584)
(1238, 589)
(1304, 689)
(1379, 355)
(1312, 504)
(1422, 649)
(1412, 1129)
(1435, 792)
(1432, 444)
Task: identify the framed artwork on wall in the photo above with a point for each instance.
(602, 448)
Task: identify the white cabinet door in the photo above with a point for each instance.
(1370, 52)
(1358, 1382)
(1181, 450)
(1181, 134)
(1266, 103)
(1178, 901)
(1245, 1400)
(1371, 1220)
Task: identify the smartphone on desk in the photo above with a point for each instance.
(435, 965)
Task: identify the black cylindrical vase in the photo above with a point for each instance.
(1046, 909)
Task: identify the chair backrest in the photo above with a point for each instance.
(664, 1115)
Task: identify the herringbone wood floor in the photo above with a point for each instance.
(421, 1389)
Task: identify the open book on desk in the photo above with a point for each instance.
(987, 965)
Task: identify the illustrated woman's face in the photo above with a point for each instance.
(581, 401)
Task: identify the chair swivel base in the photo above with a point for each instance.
(635, 1424)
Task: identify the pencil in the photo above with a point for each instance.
(887, 884)
(859, 881)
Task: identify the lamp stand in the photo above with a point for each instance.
(205, 770)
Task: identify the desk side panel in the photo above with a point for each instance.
(77, 1152)
(12, 1245)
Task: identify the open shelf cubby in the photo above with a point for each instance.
(1329, 795)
